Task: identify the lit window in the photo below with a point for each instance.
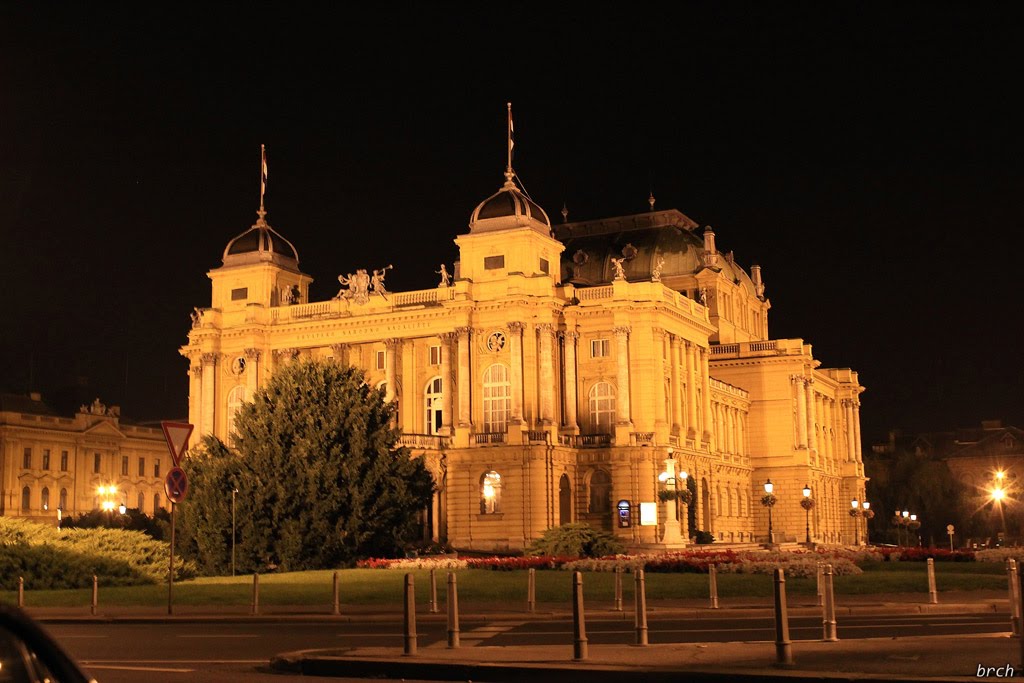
(46, 458)
(600, 492)
(490, 493)
(497, 398)
(381, 360)
(599, 348)
(435, 355)
(434, 401)
(44, 499)
(602, 408)
(26, 459)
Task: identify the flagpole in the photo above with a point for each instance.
(508, 169)
(263, 175)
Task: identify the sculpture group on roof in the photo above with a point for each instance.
(357, 286)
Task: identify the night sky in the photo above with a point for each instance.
(869, 161)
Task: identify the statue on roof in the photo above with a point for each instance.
(446, 279)
(377, 280)
(355, 286)
(659, 263)
(620, 272)
(197, 317)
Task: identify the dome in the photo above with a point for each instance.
(261, 243)
(508, 208)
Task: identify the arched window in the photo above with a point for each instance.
(497, 398)
(26, 498)
(602, 408)
(156, 502)
(44, 499)
(490, 493)
(142, 502)
(63, 504)
(434, 403)
(236, 397)
(600, 492)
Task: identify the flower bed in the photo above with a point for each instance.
(921, 554)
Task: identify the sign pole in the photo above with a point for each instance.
(170, 569)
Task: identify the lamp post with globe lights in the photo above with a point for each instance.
(674, 494)
(913, 525)
(855, 513)
(868, 515)
(768, 500)
(807, 503)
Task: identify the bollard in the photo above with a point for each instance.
(95, 595)
(410, 615)
(579, 627)
(531, 589)
(933, 596)
(783, 645)
(618, 589)
(433, 593)
(453, 611)
(1020, 607)
(255, 594)
(821, 579)
(1012, 570)
(828, 611)
(21, 591)
(640, 603)
(713, 584)
(336, 599)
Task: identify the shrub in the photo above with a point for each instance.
(703, 537)
(576, 540)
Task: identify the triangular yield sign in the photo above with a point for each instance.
(176, 434)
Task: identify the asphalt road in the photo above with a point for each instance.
(218, 652)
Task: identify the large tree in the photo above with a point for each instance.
(321, 479)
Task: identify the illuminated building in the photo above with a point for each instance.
(555, 373)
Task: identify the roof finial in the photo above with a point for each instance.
(650, 200)
(565, 212)
(509, 173)
(262, 213)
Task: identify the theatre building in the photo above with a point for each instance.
(558, 374)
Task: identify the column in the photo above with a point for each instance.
(446, 382)
(622, 357)
(660, 419)
(252, 362)
(390, 362)
(677, 395)
(570, 339)
(691, 390)
(705, 364)
(209, 381)
(856, 431)
(515, 349)
(195, 394)
(812, 437)
(547, 375)
(463, 377)
(851, 444)
(672, 535)
(341, 353)
(801, 411)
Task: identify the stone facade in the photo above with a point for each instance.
(557, 375)
(48, 461)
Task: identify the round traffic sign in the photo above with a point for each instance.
(176, 484)
(949, 528)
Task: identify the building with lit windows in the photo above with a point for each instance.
(560, 374)
(90, 461)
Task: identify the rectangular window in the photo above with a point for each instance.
(63, 461)
(381, 360)
(494, 262)
(240, 294)
(435, 355)
(544, 267)
(142, 467)
(156, 467)
(26, 460)
(46, 458)
(96, 462)
(599, 348)
(124, 465)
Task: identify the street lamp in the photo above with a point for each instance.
(807, 503)
(233, 492)
(914, 525)
(768, 500)
(855, 513)
(868, 515)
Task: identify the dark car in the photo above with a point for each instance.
(28, 654)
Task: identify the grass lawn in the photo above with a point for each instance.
(383, 586)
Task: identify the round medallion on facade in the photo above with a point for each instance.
(238, 366)
(496, 342)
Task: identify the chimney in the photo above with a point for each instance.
(755, 274)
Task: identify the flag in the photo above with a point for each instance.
(263, 174)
